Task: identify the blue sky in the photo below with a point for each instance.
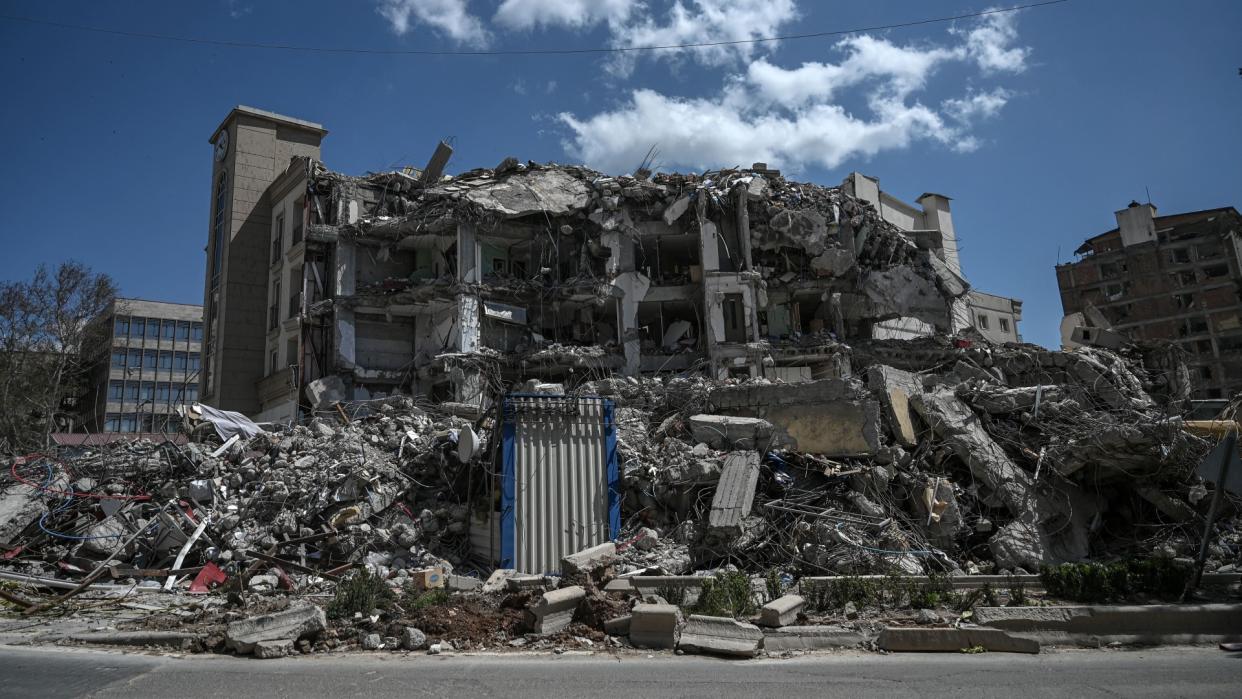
(1039, 124)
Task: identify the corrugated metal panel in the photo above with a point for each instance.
(561, 449)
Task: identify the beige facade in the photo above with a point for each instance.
(149, 368)
(930, 225)
(251, 149)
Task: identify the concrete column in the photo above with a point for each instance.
(743, 226)
(469, 254)
(936, 216)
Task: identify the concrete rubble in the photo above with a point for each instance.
(761, 426)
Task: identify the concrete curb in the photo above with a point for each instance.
(952, 640)
(164, 639)
(1094, 626)
(813, 638)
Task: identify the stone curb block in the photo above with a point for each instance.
(555, 610)
(782, 611)
(720, 635)
(168, 639)
(812, 638)
(950, 640)
(654, 625)
(1096, 625)
(292, 623)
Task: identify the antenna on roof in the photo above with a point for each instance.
(1148, 194)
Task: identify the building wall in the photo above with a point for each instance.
(995, 317)
(151, 368)
(260, 146)
(1180, 285)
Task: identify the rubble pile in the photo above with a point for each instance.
(302, 505)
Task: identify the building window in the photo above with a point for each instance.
(116, 389)
(1214, 271)
(112, 422)
(166, 360)
(983, 322)
(275, 359)
(197, 332)
(1004, 324)
(147, 392)
(195, 361)
(129, 423)
(135, 359)
(122, 326)
(162, 393)
(179, 361)
(131, 391)
(278, 238)
(273, 311)
(191, 393)
(149, 359)
(183, 330)
(137, 327)
(118, 359)
(168, 330)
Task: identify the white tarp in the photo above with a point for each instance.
(228, 422)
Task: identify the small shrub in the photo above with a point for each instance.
(673, 594)
(726, 594)
(1107, 582)
(421, 599)
(361, 592)
(989, 595)
(774, 586)
(929, 595)
(1017, 592)
(974, 650)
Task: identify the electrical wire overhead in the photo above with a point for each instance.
(518, 52)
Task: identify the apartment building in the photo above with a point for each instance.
(1174, 277)
(146, 369)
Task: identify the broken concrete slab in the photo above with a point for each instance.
(781, 611)
(273, 649)
(589, 560)
(735, 494)
(295, 623)
(20, 508)
(618, 626)
(832, 417)
(555, 609)
(719, 635)
(895, 387)
(724, 432)
(952, 640)
(654, 625)
(812, 638)
(548, 192)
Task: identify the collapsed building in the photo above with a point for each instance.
(498, 369)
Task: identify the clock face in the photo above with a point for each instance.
(222, 145)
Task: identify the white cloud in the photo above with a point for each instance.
(793, 117)
(450, 17)
(977, 105)
(704, 21)
(988, 43)
(571, 14)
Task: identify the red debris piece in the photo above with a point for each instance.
(208, 576)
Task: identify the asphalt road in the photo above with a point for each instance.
(1167, 672)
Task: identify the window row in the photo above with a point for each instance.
(134, 327)
(160, 392)
(139, 422)
(152, 359)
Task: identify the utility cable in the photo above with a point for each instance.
(519, 52)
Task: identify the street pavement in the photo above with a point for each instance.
(1164, 672)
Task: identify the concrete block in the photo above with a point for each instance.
(589, 560)
(894, 387)
(1095, 624)
(720, 635)
(619, 626)
(463, 583)
(498, 581)
(243, 635)
(731, 432)
(950, 640)
(782, 611)
(413, 639)
(654, 625)
(273, 649)
(521, 581)
(735, 493)
(555, 610)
